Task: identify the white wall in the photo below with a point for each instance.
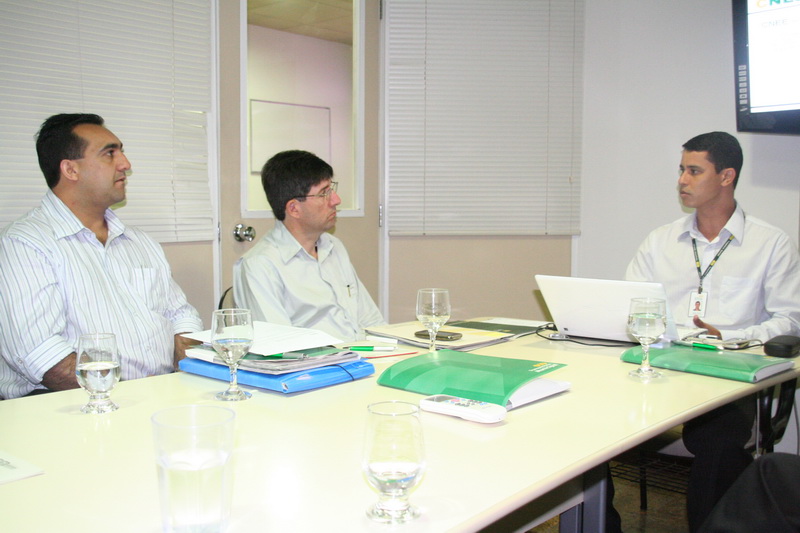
(656, 74)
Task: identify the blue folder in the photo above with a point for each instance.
(301, 380)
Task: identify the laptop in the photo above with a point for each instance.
(598, 308)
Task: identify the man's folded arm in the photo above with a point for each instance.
(62, 375)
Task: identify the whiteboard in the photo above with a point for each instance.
(279, 126)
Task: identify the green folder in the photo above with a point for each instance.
(506, 382)
(727, 364)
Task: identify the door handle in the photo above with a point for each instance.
(244, 233)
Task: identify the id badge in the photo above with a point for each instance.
(697, 304)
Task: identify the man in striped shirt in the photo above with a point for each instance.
(71, 267)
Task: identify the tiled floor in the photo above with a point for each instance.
(666, 511)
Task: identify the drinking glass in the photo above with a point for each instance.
(647, 321)
(433, 310)
(97, 370)
(231, 337)
(194, 447)
(393, 460)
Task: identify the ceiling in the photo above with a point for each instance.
(331, 20)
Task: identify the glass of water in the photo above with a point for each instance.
(97, 370)
(433, 310)
(231, 337)
(194, 449)
(393, 461)
(647, 321)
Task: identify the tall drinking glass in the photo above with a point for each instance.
(393, 460)
(647, 321)
(97, 370)
(194, 445)
(231, 337)
(433, 310)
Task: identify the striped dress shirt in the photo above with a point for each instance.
(57, 281)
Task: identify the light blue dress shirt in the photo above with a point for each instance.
(282, 283)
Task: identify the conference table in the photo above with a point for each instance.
(297, 457)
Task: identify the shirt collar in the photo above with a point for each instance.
(66, 224)
(290, 248)
(734, 226)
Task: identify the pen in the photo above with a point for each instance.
(371, 348)
(705, 346)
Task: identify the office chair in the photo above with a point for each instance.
(768, 430)
(226, 300)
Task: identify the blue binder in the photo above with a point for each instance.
(301, 380)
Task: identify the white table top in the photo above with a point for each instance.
(297, 461)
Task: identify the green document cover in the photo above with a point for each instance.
(739, 366)
(477, 377)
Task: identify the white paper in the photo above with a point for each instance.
(270, 339)
(13, 468)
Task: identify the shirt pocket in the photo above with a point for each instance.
(148, 286)
(739, 298)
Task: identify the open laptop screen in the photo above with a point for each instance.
(598, 308)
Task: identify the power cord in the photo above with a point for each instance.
(560, 337)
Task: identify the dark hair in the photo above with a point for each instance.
(291, 174)
(723, 150)
(56, 141)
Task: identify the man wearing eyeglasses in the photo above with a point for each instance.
(298, 274)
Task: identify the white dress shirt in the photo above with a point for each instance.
(753, 289)
(282, 283)
(57, 281)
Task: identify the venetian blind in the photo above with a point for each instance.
(146, 67)
(483, 116)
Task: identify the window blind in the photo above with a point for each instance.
(147, 68)
(483, 116)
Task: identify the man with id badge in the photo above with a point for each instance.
(732, 274)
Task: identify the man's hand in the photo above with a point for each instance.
(181, 344)
(62, 375)
(711, 329)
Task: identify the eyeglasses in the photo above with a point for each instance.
(325, 194)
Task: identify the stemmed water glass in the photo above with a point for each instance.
(394, 459)
(231, 337)
(97, 370)
(647, 321)
(433, 310)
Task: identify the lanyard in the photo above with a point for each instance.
(711, 264)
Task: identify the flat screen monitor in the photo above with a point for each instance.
(766, 43)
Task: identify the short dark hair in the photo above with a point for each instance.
(291, 174)
(57, 141)
(723, 150)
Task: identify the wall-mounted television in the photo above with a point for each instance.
(766, 46)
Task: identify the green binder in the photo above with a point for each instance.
(506, 382)
(727, 364)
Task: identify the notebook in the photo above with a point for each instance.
(598, 308)
(500, 380)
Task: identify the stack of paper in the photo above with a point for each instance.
(279, 349)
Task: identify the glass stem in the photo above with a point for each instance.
(234, 386)
(432, 333)
(646, 357)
